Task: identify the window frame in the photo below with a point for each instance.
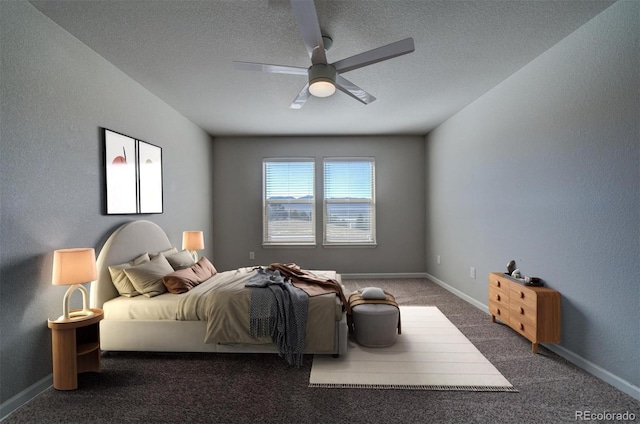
(369, 201)
(268, 239)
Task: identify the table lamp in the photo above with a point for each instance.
(72, 267)
(192, 241)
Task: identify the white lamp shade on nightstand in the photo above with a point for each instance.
(72, 267)
(192, 241)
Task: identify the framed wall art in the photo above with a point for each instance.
(133, 175)
(121, 175)
(149, 177)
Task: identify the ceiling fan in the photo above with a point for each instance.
(325, 77)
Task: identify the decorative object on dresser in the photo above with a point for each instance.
(193, 241)
(75, 347)
(73, 267)
(534, 312)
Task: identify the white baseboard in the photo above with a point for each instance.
(8, 407)
(384, 275)
(570, 356)
(458, 293)
(601, 373)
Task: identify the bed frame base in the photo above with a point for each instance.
(186, 336)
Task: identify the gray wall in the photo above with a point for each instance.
(545, 169)
(56, 95)
(400, 196)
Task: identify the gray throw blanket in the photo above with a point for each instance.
(278, 309)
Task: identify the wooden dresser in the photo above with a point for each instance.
(534, 312)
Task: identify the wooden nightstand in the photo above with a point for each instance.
(75, 349)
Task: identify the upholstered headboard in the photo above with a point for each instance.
(127, 242)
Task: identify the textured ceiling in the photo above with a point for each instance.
(182, 51)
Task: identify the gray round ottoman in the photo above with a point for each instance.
(375, 325)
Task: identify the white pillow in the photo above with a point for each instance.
(120, 279)
(373, 293)
(170, 251)
(147, 277)
(179, 260)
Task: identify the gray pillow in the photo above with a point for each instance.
(147, 277)
(164, 252)
(120, 279)
(180, 260)
(373, 293)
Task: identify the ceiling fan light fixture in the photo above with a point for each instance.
(322, 80)
(322, 87)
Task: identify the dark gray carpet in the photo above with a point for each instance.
(256, 388)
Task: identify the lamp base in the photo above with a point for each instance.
(76, 316)
(72, 316)
(194, 255)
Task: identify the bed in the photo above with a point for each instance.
(142, 323)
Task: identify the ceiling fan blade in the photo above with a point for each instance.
(307, 19)
(270, 69)
(353, 90)
(301, 98)
(376, 55)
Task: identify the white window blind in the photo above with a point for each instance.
(289, 202)
(349, 201)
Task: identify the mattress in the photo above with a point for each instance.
(163, 307)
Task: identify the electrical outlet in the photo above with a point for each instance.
(438, 259)
(472, 272)
(252, 255)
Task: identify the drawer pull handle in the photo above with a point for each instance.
(498, 283)
(497, 297)
(521, 311)
(498, 311)
(522, 326)
(521, 295)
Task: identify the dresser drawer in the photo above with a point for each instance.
(523, 296)
(499, 296)
(522, 312)
(524, 327)
(499, 310)
(498, 282)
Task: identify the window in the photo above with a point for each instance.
(349, 201)
(289, 202)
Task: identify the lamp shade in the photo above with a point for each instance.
(192, 240)
(74, 266)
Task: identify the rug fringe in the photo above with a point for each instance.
(418, 387)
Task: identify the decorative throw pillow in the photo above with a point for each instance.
(164, 252)
(120, 279)
(147, 277)
(204, 269)
(180, 260)
(373, 293)
(183, 280)
(180, 281)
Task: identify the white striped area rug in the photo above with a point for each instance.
(430, 354)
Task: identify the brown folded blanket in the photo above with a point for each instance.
(310, 283)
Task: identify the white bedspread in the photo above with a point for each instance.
(142, 308)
